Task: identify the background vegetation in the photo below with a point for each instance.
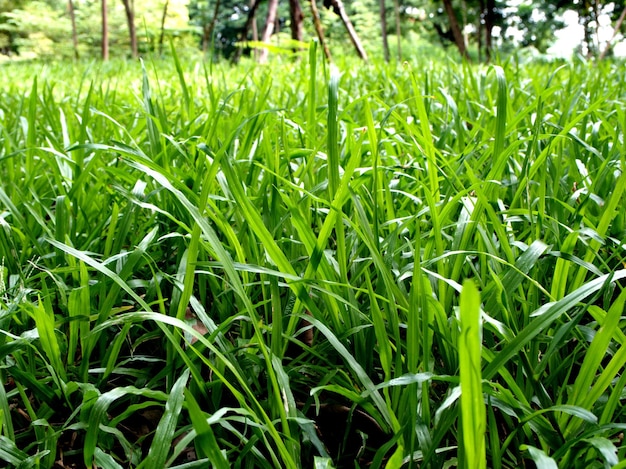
(293, 266)
(478, 28)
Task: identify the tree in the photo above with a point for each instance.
(383, 25)
(70, 7)
(208, 28)
(129, 10)
(537, 22)
(396, 9)
(589, 13)
(318, 29)
(162, 33)
(268, 29)
(296, 20)
(249, 25)
(455, 29)
(489, 14)
(8, 31)
(338, 7)
(618, 25)
(105, 31)
(478, 20)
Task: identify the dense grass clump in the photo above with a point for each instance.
(302, 266)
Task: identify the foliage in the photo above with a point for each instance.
(42, 29)
(273, 266)
(538, 23)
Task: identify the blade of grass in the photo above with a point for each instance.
(473, 411)
(166, 428)
(206, 443)
(545, 316)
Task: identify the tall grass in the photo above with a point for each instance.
(414, 266)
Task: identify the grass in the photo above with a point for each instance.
(307, 266)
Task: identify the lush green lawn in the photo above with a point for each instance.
(452, 237)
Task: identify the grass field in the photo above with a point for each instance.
(415, 265)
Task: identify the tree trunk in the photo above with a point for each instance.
(70, 6)
(296, 20)
(254, 27)
(464, 22)
(250, 24)
(162, 35)
(596, 16)
(105, 31)
(455, 28)
(129, 9)
(207, 30)
(383, 26)
(585, 18)
(339, 8)
(489, 21)
(318, 29)
(396, 9)
(268, 29)
(479, 28)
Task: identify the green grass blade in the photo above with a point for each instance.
(166, 429)
(545, 316)
(10, 453)
(473, 411)
(594, 357)
(540, 458)
(45, 324)
(98, 413)
(206, 443)
(498, 162)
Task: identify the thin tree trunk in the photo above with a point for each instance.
(479, 29)
(250, 24)
(489, 21)
(396, 9)
(318, 29)
(254, 27)
(596, 15)
(207, 30)
(129, 9)
(618, 25)
(162, 35)
(455, 28)
(383, 26)
(338, 7)
(584, 19)
(105, 31)
(70, 6)
(268, 29)
(297, 20)
(464, 22)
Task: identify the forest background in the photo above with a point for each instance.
(122, 28)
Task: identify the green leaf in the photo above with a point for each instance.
(473, 410)
(44, 321)
(166, 429)
(105, 461)
(541, 459)
(544, 317)
(10, 453)
(322, 463)
(606, 448)
(581, 395)
(98, 413)
(206, 443)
